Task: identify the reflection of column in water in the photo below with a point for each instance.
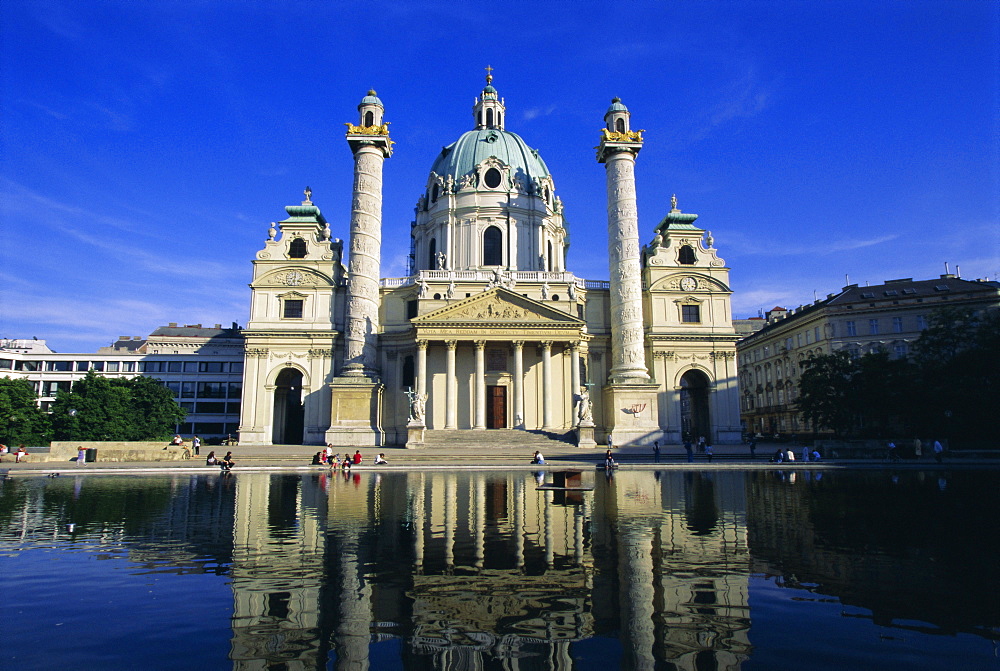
(419, 515)
(519, 522)
(450, 508)
(636, 572)
(549, 541)
(480, 520)
(354, 627)
(578, 535)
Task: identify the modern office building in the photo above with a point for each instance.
(202, 367)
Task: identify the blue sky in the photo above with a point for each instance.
(146, 146)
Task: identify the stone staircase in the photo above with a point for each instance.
(508, 439)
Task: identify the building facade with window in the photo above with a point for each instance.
(490, 329)
(201, 366)
(889, 317)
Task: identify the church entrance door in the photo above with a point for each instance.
(695, 419)
(288, 411)
(496, 407)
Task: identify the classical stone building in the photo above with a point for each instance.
(860, 319)
(490, 329)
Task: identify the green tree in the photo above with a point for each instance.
(958, 358)
(825, 390)
(21, 420)
(100, 408)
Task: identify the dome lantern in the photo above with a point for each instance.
(489, 110)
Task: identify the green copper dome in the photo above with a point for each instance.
(617, 106)
(475, 146)
(371, 99)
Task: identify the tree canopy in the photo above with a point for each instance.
(950, 387)
(100, 408)
(21, 420)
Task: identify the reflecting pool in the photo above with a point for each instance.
(442, 570)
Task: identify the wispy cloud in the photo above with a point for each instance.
(535, 112)
(741, 244)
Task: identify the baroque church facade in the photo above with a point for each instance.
(490, 330)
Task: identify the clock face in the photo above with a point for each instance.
(294, 278)
(689, 284)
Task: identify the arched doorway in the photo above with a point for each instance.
(695, 419)
(288, 414)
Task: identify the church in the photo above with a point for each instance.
(491, 330)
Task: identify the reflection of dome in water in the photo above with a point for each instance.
(475, 146)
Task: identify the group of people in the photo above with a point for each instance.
(195, 447)
(326, 457)
(783, 455)
(226, 463)
(19, 455)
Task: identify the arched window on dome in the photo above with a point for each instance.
(297, 249)
(489, 117)
(431, 254)
(620, 125)
(492, 247)
(369, 118)
(499, 120)
(435, 192)
(686, 255)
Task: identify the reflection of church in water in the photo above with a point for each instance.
(490, 329)
(367, 570)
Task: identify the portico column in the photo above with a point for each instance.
(574, 374)
(546, 384)
(451, 393)
(421, 366)
(480, 422)
(518, 384)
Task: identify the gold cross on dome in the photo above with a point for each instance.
(489, 74)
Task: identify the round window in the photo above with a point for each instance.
(492, 178)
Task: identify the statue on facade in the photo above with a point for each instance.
(417, 401)
(584, 408)
(451, 290)
(423, 288)
(440, 259)
(545, 291)
(709, 240)
(571, 290)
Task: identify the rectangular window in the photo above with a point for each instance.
(82, 365)
(175, 388)
(112, 366)
(212, 389)
(809, 337)
(187, 390)
(213, 407)
(233, 408)
(235, 389)
(852, 329)
(411, 309)
(174, 366)
(292, 308)
(6, 364)
(921, 322)
(211, 367)
(899, 349)
(873, 327)
(60, 366)
(208, 428)
(187, 405)
(798, 339)
(897, 324)
(236, 367)
(97, 365)
(190, 366)
(128, 366)
(788, 343)
(816, 334)
(691, 314)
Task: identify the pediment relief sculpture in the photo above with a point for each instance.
(498, 306)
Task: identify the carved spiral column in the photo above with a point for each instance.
(365, 255)
(627, 337)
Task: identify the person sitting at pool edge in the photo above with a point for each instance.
(538, 458)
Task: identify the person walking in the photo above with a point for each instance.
(196, 444)
(689, 450)
(81, 456)
(656, 451)
(611, 442)
(938, 451)
(708, 451)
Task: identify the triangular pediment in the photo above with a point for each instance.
(498, 306)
